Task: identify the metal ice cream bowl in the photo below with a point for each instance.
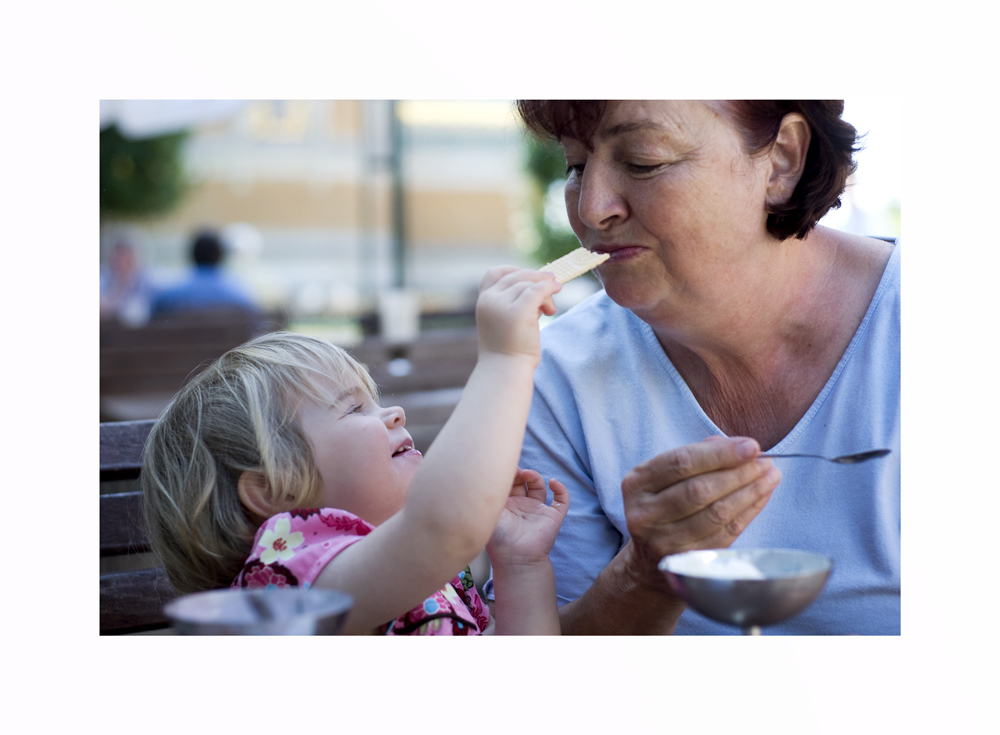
(748, 588)
(268, 611)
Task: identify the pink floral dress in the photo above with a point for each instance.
(292, 548)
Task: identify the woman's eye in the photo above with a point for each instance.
(576, 168)
(635, 168)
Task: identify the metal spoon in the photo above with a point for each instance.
(846, 459)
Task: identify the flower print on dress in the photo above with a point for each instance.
(477, 607)
(310, 540)
(466, 576)
(280, 542)
(256, 575)
(345, 522)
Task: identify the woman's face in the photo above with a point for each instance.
(670, 194)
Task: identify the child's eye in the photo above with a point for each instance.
(356, 409)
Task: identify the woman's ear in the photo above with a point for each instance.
(788, 157)
(255, 493)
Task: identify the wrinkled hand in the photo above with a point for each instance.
(510, 302)
(527, 527)
(699, 496)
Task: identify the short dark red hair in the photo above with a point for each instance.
(829, 161)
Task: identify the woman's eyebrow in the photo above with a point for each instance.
(631, 127)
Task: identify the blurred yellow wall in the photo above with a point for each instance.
(434, 218)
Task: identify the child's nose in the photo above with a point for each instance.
(394, 417)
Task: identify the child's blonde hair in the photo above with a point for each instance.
(237, 415)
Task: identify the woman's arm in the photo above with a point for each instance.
(700, 496)
(462, 485)
(623, 601)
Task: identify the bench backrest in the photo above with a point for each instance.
(131, 600)
(162, 354)
(438, 359)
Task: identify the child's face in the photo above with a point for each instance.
(365, 457)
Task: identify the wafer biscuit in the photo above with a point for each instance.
(574, 264)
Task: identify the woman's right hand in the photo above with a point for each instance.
(699, 496)
(507, 311)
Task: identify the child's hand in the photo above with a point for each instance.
(510, 302)
(528, 527)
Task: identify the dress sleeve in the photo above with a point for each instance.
(291, 549)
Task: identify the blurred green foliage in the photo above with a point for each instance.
(143, 177)
(546, 164)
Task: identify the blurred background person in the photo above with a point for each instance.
(207, 287)
(127, 291)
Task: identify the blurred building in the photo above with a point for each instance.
(304, 192)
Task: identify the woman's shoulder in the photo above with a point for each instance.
(862, 254)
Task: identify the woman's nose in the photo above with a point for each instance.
(394, 416)
(599, 203)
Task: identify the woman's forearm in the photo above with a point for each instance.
(622, 602)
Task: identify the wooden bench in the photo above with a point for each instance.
(143, 367)
(134, 587)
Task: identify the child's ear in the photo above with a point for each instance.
(255, 493)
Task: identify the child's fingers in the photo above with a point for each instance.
(535, 485)
(537, 294)
(493, 275)
(521, 480)
(560, 496)
(524, 279)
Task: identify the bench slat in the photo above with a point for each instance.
(121, 448)
(123, 530)
(133, 601)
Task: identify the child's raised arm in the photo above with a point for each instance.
(463, 484)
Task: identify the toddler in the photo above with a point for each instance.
(277, 466)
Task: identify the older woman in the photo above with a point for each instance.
(729, 325)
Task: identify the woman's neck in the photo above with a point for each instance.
(755, 370)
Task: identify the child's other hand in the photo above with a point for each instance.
(510, 303)
(528, 527)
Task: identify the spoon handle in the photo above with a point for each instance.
(782, 456)
(845, 459)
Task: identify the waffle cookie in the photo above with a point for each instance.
(574, 264)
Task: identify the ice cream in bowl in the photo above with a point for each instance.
(748, 588)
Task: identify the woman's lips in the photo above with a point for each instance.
(619, 253)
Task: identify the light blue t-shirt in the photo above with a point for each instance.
(607, 398)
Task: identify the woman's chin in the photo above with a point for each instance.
(632, 293)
